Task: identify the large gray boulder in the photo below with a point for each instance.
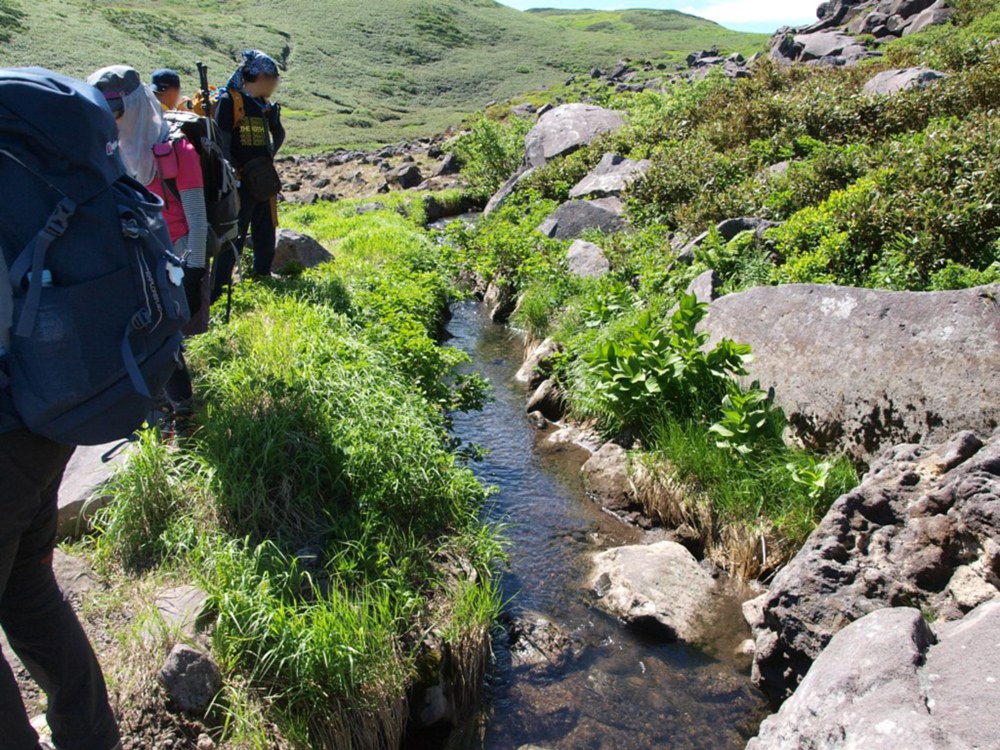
(922, 530)
(572, 219)
(826, 44)
(936, 15)
(659, 588)
(84, 486)
(892, 681)
(890, 82)
(904, 8)
(857, 370)
(610, 177)
(705, 286)
(299, 249)
(586, 260)
(564, 129)
(405, 176)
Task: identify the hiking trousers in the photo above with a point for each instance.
(258, 217)
(39, 622)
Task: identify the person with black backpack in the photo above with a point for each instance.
(91, 311)
(252, 133)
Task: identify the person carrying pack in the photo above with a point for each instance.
(174, 154)
(252, 134)
(170, 167)
(91, 310)
(166, 85)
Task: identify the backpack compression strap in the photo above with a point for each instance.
(33, 258)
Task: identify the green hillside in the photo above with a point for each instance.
(358, 73)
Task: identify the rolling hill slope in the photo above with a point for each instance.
(358, 72)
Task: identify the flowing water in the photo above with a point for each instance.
(621, 691)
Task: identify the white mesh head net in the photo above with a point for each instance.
(142, 127)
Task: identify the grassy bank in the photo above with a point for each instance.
(321, 502)
(892, 193)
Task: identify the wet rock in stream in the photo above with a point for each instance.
(538, 364)
(657, 588)
(606, 478)
(548, 400)
(538, 644)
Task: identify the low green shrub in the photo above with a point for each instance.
(490, 152)
(902, 223)
(554, 180)
(505, 246)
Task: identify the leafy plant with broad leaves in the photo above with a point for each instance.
(811, 475)
(668, 367)
(746, 419)
(609, 305)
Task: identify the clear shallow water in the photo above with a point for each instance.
(622, 691)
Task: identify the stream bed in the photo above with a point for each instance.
(621, 691)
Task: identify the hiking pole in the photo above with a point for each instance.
(237, 250)
(206, 95)
(229, 286)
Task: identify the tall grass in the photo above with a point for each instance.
(158, 486)
(319, 495)
(752, 511)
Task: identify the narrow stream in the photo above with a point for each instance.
(620, 691)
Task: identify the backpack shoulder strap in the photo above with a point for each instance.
(169, 184)
(239, 111)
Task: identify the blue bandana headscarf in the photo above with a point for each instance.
(255, 62)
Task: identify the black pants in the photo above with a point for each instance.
(255, 215)
(178, 389)
(38, 620)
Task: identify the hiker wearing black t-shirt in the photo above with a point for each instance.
(252, 134)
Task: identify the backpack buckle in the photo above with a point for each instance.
(58, 222)
(141, 319)
(133, 230)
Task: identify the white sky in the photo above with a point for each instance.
(763, 15)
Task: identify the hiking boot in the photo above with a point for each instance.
(43, 745)
(179, 426)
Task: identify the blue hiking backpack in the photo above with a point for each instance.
(96, 302)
